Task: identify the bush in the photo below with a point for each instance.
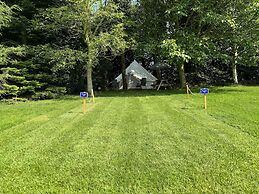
(14, 100)
(43, 95)
(50, 93)
(60, 91)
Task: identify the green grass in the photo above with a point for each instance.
(133, 142)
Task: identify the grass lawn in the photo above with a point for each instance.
(133, 142)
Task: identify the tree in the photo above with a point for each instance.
(5, 15)
(103, 31)
(129, 8)
(236, 34)
(180, 30)
(186, 39)
(150, 30)
(175, 54)
(36, 68)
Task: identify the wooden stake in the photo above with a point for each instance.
(84, 105)
(205, 102)
(187, 90)
(159, 85)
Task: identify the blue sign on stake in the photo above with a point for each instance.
(83, 94)
(204, 91)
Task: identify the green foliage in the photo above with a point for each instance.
(28, 70)
(50, 93)
(6, 52)
(54, 43)
(174, 52)
(200, 32)
(238, 32)
(59, 66)
(16, 83)
(103, 29)
(59, 25)
(150, 27)
(13, 81)
(5, 15)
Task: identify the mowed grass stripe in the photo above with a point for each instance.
(196, 141)
(35, 134)
(238, 110)
(201, 119)
(36, 123)
(96, 145)
(48, 155)
(23, 113)
(145, 144)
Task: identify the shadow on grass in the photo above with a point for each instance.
(195, 90)
(143, 93)
(139, 93)
(225, 90)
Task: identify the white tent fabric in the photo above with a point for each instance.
(135, 72)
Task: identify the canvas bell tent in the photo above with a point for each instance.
(137, 78)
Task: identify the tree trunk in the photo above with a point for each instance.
(182, 75)
(158, 70)
(123, 72)
(106, 81)
(90, 63)
(234, 68)
(158, 73)
(89, 79)
(234, 73)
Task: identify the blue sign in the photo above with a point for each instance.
(204, 91)
(83, 94)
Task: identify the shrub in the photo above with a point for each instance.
(50, 93)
